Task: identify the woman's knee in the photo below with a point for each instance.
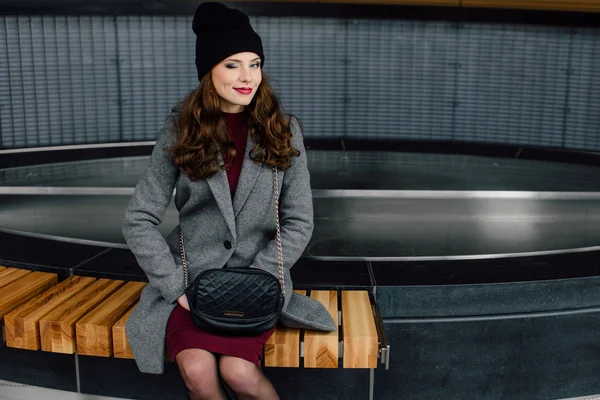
(242, 376)
(199, 372)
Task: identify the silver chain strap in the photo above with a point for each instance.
(183, 260)
(278, 230)
(278, 239)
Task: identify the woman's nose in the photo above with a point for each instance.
(245, 75)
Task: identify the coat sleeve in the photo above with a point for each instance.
(145, 212)
(295, 211)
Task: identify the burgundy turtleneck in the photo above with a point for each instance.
(238, 132)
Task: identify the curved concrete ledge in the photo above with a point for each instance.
(520, 326)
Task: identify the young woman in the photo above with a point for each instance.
(217, 150)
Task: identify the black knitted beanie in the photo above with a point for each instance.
(221, 32)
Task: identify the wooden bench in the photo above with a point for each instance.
(554, 5)
(87, 316)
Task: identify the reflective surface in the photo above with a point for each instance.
(383, 206)
(18, 391)
(345, 170)
(355, 227)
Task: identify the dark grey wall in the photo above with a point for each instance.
(107, 78)
(547, 357)
(521, 328)
(519, 340)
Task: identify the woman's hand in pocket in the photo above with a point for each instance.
(183, 302)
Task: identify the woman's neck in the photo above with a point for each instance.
(233, 113)
(232, 109)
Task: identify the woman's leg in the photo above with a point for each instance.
(199, 371)
(246, 379)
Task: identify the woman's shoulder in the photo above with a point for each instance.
(167, 135)
(176, 109)
(294, 123)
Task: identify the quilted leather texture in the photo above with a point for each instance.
(239, 300)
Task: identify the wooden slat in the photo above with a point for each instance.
(559, 5)
(57, 328)
(283, 347)
(22, 329)
(9, 275)
(2, 268)
(444, 3)
(277, 1)
(358, 329)
(24, 289)
(120, 344)
(94, 330)
(321, 349)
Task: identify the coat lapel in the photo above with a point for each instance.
(219, 185)
(248, 176)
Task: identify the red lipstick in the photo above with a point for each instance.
(244, 91)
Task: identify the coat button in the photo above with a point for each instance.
(227, 244)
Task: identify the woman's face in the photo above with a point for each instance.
(236, 80)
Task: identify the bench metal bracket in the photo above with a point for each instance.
(384, 346)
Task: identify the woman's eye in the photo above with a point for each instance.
(230, 66)
(255, 65)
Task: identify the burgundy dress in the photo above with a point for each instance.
(181, 332)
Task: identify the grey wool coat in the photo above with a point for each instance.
(209, 217)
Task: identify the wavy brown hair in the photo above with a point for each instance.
(202, 135)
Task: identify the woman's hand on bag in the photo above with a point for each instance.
(183, 302)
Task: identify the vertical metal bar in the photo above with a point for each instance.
(372, 278)
(77, 375)
(23, 115)
(455, 69)
(347, 100)
(71, 95)
(10, 95)
(119, 86)
(568, 73)
(387, 358)
(35, 89)
(371, 383)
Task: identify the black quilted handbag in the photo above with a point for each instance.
(237, 301)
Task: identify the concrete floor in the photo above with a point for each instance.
(16, 391)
